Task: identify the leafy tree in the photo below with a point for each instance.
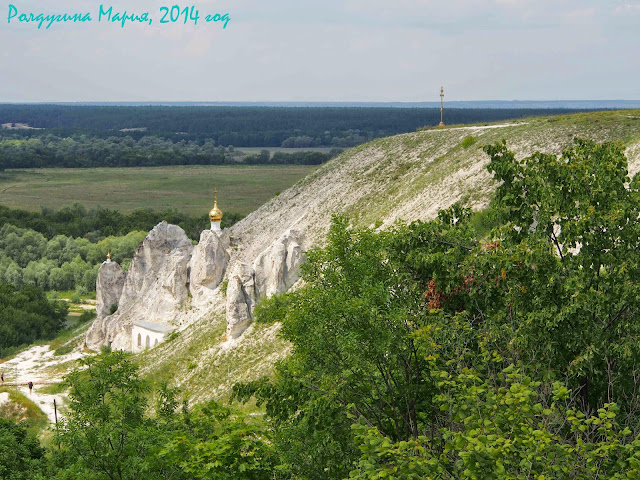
(214, 442)
(351, 328)
(21, 456)
(103, 431)
(505, 427)
(386, 319)
(577, 311)
(26, 315)
(109, 432)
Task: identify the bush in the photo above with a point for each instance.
(86, 316)
(468, 141)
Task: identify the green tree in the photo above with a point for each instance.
(104, 431)
(27, 315)
(577, 311)
(501, 427)
(212, 441)
(21, 456)
(351, 328)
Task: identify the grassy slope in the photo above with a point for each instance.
(403, 177)
(204, 367)
(187, 188)
(20, 408)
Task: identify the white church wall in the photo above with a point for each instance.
(143, 338)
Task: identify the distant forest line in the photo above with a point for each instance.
(247, 126)
(120, 136)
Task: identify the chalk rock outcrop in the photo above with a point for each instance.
(208, 265)
(108, 287)
(274, 271)
(241, 299)
(155, 289)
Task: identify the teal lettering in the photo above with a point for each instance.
(103, 13)
(13, 11)
(219, 18)
(47, 20)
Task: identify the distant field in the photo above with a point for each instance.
(272, 150)
(242, 189)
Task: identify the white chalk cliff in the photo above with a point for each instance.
(208, 265)
(168, 276)
(274, 271)
(155, 289)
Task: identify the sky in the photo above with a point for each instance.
(329, 50)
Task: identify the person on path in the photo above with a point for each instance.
(30, 388)
(2, 377)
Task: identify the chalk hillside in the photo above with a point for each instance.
(402, 178)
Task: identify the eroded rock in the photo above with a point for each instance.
(109, 287)
(274, 271)
(241, 300)
(208, 265)
(155, 288)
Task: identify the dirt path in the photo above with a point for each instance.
(29, 366)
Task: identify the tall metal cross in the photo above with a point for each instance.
(441, 106)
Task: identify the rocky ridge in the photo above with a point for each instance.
(168, 276)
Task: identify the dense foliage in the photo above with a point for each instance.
(62, 250)
(441, 354)
(501, 345)
(97, 223)
(109, 434)
(21, 456)
(62, 263)
(24, 149)
(248, 126)
(26, 316)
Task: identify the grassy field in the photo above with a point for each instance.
(272, 150)
(242, 189)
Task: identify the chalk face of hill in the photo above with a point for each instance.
(403, 178)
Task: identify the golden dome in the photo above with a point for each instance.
(215, 214)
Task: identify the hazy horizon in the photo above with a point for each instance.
(506, 104)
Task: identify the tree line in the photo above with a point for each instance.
(62, 263)
(62, 249)
(18, 150)
(26, 315)
(247, 126)
(95, 224)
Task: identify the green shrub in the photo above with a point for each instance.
(175, 334)
(468, 141)
(64, 349)
(86, 316)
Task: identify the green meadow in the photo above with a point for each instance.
(189, 189)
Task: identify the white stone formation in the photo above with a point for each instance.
(169, 276)
(274, 271)
(109, 287)
(208, 265)
(156, 287)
